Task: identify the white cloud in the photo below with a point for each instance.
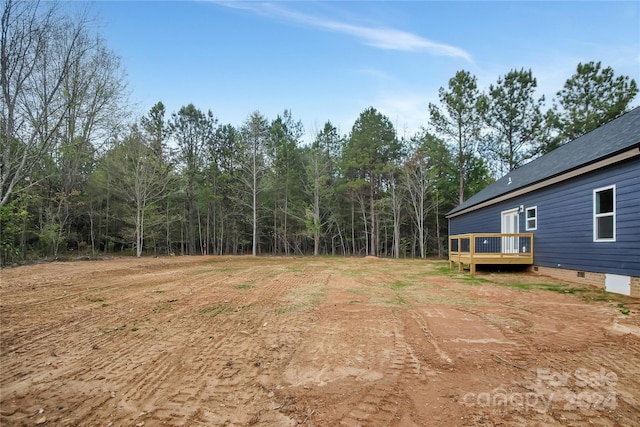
(407, 111)
(380, 37)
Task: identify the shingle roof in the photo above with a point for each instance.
(608, 140)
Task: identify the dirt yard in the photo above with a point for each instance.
(235, 341)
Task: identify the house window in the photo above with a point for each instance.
(604, 214)
(532, 218)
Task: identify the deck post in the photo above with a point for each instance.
(472, 251)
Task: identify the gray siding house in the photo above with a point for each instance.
(581, 204)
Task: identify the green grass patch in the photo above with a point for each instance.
(554, 287)
(474, 280)
(288, 308)
(398, 300)
(329, 256)
(399, 284)
(597, 295)
(303, 297)
(623, 309)
(95, 299)
(305, 302)
(215, 310)
(159, 292)
(397, 287)
(522, 286)
(216, 260)
(104, 304)
(110, 330)
(440, 268)
(161, 308)
(353, 273)
(244, 286)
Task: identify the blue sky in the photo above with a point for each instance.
(331, 60)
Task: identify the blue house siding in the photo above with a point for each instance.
(564, 235)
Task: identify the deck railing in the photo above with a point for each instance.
(490, 248)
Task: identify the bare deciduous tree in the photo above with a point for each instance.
(417, 181)
(140, 177)
(38, 49)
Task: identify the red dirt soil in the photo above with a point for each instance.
(235, 341)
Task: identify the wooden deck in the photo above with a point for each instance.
(490, 248)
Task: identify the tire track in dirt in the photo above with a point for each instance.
(335, 353)
(245, 367)
(566, 361)
(244, 341)
(222, 372)
(115, 364)
(72, 304)
(444, 358)
(130, 394)
(600, 380)
(379, 399)
(386, 402)
(382, 402)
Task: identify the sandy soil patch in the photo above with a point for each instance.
(235, 341)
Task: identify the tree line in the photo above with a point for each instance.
(77, 176)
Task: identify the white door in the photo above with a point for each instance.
(510, 225)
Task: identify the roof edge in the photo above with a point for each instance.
(581, 170)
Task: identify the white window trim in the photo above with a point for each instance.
(596, 216)
(526, 218)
